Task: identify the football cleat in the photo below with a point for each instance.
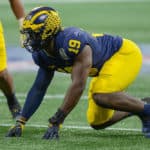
(16, 130)
(146, 120)
(146, 100)
(145, 124)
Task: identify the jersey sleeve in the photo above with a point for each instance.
(74, 44)
(38, 60)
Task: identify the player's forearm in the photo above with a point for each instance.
(72, 97)
(17, 8)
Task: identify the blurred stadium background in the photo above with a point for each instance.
(127, 18)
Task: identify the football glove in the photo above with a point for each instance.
(52, 132)
(16, 130)
(55, 123)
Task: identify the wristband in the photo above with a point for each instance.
(58, 118)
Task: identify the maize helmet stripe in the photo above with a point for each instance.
(34, 20)
(34, 23)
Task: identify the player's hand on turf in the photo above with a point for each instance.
(52, 132)
(55, 123)
(16, 130)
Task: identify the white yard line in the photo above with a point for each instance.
(60, 96)
(47, 96)
(75, 127)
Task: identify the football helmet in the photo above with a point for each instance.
(39, 27)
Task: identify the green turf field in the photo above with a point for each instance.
(75, 133)
(128, 19)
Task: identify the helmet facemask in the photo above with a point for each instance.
(31, 40)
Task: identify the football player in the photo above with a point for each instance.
(112, 61)
(6, 82)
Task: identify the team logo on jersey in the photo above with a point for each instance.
(63, 54)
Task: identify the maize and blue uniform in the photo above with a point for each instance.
(3, 56)
(115, 64)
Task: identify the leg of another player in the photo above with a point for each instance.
(6, 85)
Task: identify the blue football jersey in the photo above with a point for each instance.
(70, 42)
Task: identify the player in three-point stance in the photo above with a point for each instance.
(113, 63)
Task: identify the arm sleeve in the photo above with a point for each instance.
(37, 92)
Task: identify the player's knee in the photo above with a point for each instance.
(92, 121)
(97, 127)
(95, 123)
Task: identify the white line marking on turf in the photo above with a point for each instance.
(75, 127)
(47, 96)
